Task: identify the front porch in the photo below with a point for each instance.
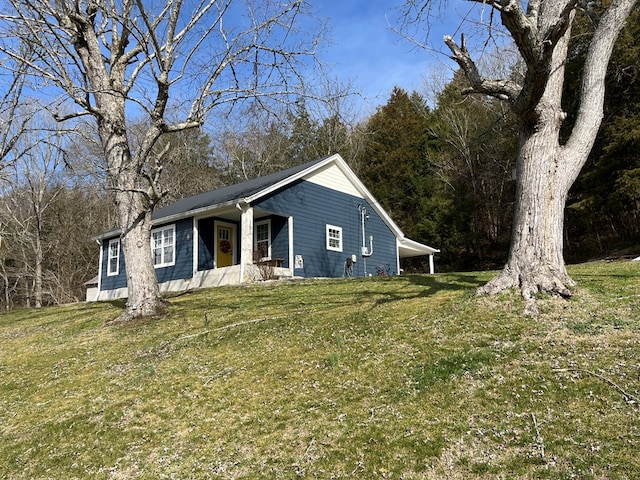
(241, 245)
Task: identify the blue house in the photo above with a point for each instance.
(313, 220)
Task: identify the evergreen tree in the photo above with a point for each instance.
(604, 204)
(396, 170)
(474, 161)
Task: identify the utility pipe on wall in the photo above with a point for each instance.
(365, 252)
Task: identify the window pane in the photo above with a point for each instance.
(114, 252)
(157, 239)
(168, 254)
(168, 237)
(334, 238)
(262, 232)
(263, 249)
(162, 246)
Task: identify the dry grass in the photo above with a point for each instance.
(405, 377)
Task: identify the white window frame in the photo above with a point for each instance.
(330, 238)
(110, 257)
(255, 237)
(164, 262)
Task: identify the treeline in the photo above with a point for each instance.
(445, 174)
(443, 170)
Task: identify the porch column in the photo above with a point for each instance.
(291, 251)
(246, 239)
(431, 266)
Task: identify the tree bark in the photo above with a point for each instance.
(134, 214)
(144, 298)
(536, 262)
(125, 175)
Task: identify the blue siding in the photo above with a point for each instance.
(114, 281)
(183, 267)
(279, 238)
(313, 207)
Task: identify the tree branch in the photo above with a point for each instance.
(592, 91)
(503, 89)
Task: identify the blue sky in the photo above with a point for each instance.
(374, 58)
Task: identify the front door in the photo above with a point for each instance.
(224, 245)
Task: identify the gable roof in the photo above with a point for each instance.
(231, 194)
(252, 190)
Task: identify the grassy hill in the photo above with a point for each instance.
(407, 378)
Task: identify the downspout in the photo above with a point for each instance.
(364, 251)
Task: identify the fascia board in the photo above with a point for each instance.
(283, 183)
(173, 218)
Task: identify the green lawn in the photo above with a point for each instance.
(407, 377)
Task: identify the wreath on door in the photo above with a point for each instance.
(225, 246)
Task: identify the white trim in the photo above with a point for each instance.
(164, 262)
(115, 241)
(330, 237)
(196, 236)
(266, 222)
(246, 241)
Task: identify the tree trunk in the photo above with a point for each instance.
(546, 170)
(144, 298)
(134, 215)
(536, 262)
(543, 170)
(39, 258)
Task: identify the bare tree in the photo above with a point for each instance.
(28, 190)
(121, 60)
(257, 143)
(14, 120)
(545, 167)
(475, 161)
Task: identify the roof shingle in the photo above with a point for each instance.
(230, 193)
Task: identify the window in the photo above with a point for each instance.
(162, 246)
(262, 240)
(113, 257)
(334, 238)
